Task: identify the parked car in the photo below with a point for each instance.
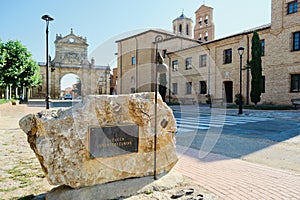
(68, 96)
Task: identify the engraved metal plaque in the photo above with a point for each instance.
(112, 140)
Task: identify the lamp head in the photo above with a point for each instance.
(47, 18)
(241, 50)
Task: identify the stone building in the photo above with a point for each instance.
(114, 81)
(136, 57)
(205, 65)
(71, 57)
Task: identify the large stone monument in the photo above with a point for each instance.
(103, 139)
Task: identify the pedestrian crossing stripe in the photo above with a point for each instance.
(215, 124)
(227, 122)
(204, 122)
(188, 124)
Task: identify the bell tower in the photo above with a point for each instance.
(183, 26)
(204, 29)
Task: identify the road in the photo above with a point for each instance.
(268, 140)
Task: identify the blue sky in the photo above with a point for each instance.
(102, 21)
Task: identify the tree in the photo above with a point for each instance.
(78, 86)
(17, 68)
(256, 69)
(162, 86)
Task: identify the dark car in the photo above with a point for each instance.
(68, 96)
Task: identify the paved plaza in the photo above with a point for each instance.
(240, 166)
(251, 156)
(237, 179)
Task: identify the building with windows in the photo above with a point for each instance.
(202, 65)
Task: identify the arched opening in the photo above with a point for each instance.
(70, 87)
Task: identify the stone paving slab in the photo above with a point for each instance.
(237, 179)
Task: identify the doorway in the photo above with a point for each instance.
(228, 85)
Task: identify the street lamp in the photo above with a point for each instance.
(241, 52)
(160, 67)
(47, 18)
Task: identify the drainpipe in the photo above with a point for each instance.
(208, 78)
(248, 72)
(170, 74)
(121, 70)
(136, 66)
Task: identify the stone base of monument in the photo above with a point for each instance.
(118, 189)
(102, 140)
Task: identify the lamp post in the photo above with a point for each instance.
(47, 18)
(160, 67)
(241, 52)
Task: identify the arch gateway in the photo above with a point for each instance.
(71, 58)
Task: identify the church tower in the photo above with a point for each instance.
(183, 26)
(204, 29)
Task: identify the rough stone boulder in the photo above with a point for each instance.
(62, 139)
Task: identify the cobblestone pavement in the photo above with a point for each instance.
(234, 178)
(237, 179)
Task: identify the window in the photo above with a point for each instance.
(175, 88)
(262, 47)
(188, 63)
(263, 82)
(203, 59)
(206, 20)
(227, 56)
(206, 36)
(189, 88)
(133, 60)
(292, 7)
(296, 41)
(295, 83)
(187, 29)
(180, 28)
(200, 22)
(200, 37)
(203, 87)
(175, 65)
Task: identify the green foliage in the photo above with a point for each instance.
(17, 68)
(78, 86)
(237, 99)
(162, 86)
(256, 69)
(3, 101)
(208, 98)
(263, 107)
